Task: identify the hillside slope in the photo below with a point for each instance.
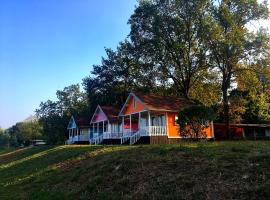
(219, 170)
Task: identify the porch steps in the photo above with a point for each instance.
(96, 140)
(135, 138)
(125, 139)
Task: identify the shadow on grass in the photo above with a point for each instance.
(223, 170)
(21, 153)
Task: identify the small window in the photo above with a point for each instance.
(176, 120)
(205, 123)
(134, 103)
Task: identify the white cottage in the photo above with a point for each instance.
(79, 130)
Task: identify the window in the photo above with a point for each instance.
(205, 123)
(134, 103)
(106, 126)
(175, 119)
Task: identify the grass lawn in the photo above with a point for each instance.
(218, 170)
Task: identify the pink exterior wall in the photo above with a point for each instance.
(99, 116)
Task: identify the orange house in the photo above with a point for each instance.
(153, 116)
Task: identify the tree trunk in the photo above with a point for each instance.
(226, 109)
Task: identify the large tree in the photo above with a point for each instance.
(118, 74)
(168, 34)
(232, 46)
(54, 115)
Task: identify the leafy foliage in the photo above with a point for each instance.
(54, 115)
(167, 34)
(232, 47)
(4, 138)
(23, 132)
(194, 120)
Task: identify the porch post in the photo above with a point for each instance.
(98, 128)
(139, 121)
(149, 123)
(123, 124)
(103, 126)
(130, 123)
(167, 124)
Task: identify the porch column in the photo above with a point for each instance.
(98, 128)
(130, 123)
(149, 123)
(93, 128)
(167, 124)
(123, 124)
(149, 119)
(139, 121)
(103, 126)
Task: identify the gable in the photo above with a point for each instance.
(99, 116)
(72, 123)
(132, 105)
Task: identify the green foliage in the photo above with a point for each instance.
(258, 109)
(118, 74)
(194, 119)
(4, 138)
(168, 34)
(23, 132)
(232, 47)
(55, 115)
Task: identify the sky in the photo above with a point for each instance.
(47, 45)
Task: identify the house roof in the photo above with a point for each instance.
(111, 112)
(245, 125)
(158, 103)
(164, 103)
(82, 121)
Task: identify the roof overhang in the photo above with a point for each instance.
(131, 94)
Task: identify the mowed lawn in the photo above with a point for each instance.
(214, 170)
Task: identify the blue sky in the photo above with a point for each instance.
(46, 45)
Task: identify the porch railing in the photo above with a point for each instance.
(135, 137)
(96, 140)
(157, 131)
(109, 135)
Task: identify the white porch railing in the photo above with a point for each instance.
(109, 135)
(77, 138)
(135, 137)
(83, 137)
(157, 131)
(96, 140)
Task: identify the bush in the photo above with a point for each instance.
(194, 120)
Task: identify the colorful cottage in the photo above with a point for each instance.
(78, 130)
(152, 119)
(105, 124)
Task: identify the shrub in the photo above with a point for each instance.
(193, 121)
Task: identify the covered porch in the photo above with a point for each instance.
(106, 130)
(147, 123)
(78, 135)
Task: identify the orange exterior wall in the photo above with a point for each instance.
(131, 110)
(173, 128)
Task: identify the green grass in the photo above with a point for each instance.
(218, 170)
